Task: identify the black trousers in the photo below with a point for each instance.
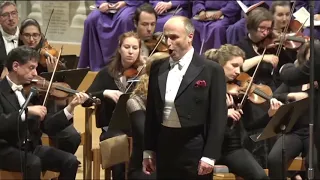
(41, 159)
(294, 145)
(179, 152)
(242, 163)
(119, 170)
(67, 140)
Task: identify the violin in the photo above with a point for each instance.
(47, 50)
(152, 43)
(58, 90)
(257, 94)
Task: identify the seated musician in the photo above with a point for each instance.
(145, 20)
(21, 64)
(238, 30)
(239, 160)
(9, 32)
(166, 8)
(297, 140)
(212, 33)
(30, 35)
(136, 108)
(110, 83)
(259, 25)
(102, 28)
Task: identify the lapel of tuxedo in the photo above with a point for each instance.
(162, 77)
(3, 51)
(8, 94)
(195, 67)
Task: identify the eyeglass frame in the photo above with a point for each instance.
(13, 14)
(28, 36)
(263, 29)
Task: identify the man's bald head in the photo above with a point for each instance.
(181, 21)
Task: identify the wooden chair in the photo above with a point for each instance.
(222, 173)
(96, 154)
(298, 164)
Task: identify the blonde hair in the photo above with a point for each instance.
(224, 53)
(142, 87)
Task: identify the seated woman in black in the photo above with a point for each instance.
(239, 160)
(110, 83)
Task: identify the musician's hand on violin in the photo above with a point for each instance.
(272, 59)
(235, 114)
(104, 7)
(162, 7)
(274, 106)
(202, 15)
(51, 62)
(112, 94)
(37, 110)
(229, 99)
(118, 5)
(79, 98)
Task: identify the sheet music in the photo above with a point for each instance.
(303, 15)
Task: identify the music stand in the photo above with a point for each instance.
(282, 122)
(70, 61)
(120, 119)
(72, 77)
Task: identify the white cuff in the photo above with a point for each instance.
(208, 160)
(147, 154)
(68, 115)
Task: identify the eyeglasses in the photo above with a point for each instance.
(34, 36)
(13, 14)
(263, 29)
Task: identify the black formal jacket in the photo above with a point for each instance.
(9, 111)
(194, 105)
(3, 54)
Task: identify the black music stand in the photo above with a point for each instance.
(282, 122)
(72, 77)
(120, 118)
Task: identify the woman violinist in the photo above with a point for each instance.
(239, 160)
(31, 36)
(110, 83)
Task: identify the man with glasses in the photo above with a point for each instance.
(9, 31)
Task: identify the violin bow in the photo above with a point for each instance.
(162, 35)
(51, 80)
(201, 48)
(45, 33)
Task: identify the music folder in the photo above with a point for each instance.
(73, 77)
(286, 115)
(120, 118)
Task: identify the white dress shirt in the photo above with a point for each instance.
(18, 91)
(170, 116)
(10, 41)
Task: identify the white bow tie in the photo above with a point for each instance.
(17, 87)
(11, 38)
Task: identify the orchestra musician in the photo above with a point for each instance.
(259, 25)
(31, 36)
(238, 159)
(9, 32)
(110, 83)
(102, 27)
(297, 140)
(21, 64)
(186, 109)
(297, 76)
(145, 20)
